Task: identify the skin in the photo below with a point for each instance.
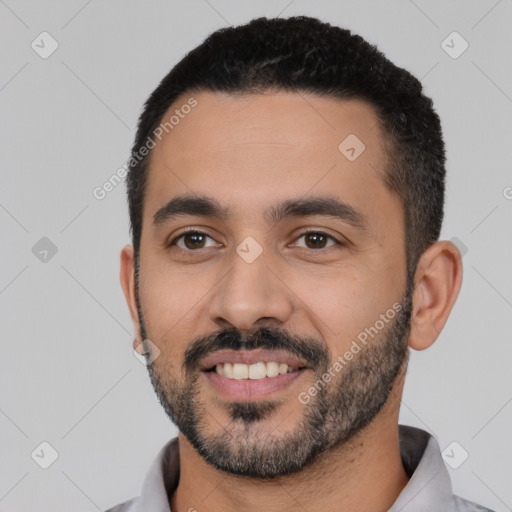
(249, 153)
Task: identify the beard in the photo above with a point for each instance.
(339, 410)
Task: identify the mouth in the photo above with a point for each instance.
(256, 371)
(252, 374)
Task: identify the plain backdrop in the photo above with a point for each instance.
(68, 376)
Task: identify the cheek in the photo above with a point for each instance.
(168, 298)
(344, 304)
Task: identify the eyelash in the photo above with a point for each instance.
(194, 231)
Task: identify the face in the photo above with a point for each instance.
(272, 277)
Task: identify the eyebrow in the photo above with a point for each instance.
(204, 206)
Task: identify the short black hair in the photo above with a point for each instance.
(304, 54)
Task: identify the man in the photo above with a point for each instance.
(286, 196)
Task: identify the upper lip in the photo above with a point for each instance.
(251, 357)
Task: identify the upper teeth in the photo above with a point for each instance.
(253, 371)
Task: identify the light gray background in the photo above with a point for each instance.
(67, 372)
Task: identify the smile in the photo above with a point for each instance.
(254, 371)
(252, 374)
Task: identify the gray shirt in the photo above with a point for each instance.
(428, 490)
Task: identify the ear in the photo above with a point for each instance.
(437, 281)
(127, 278)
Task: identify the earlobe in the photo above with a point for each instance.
(437, 281)
(127, 279)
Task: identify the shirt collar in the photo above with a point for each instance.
(161, 480)
(429, 487)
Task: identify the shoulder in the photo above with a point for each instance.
(462, 505)
(127, 506)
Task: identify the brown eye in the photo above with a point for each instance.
(317, 240)
(194, 240)
(191, 240)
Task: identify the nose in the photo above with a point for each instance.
(250, 296)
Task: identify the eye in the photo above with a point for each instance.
(191, 240)
(317, 240)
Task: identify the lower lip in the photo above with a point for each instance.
(251, 389)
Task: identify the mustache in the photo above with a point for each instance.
(314, 353)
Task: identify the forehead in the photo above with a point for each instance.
(220, 122)
(244, 149)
